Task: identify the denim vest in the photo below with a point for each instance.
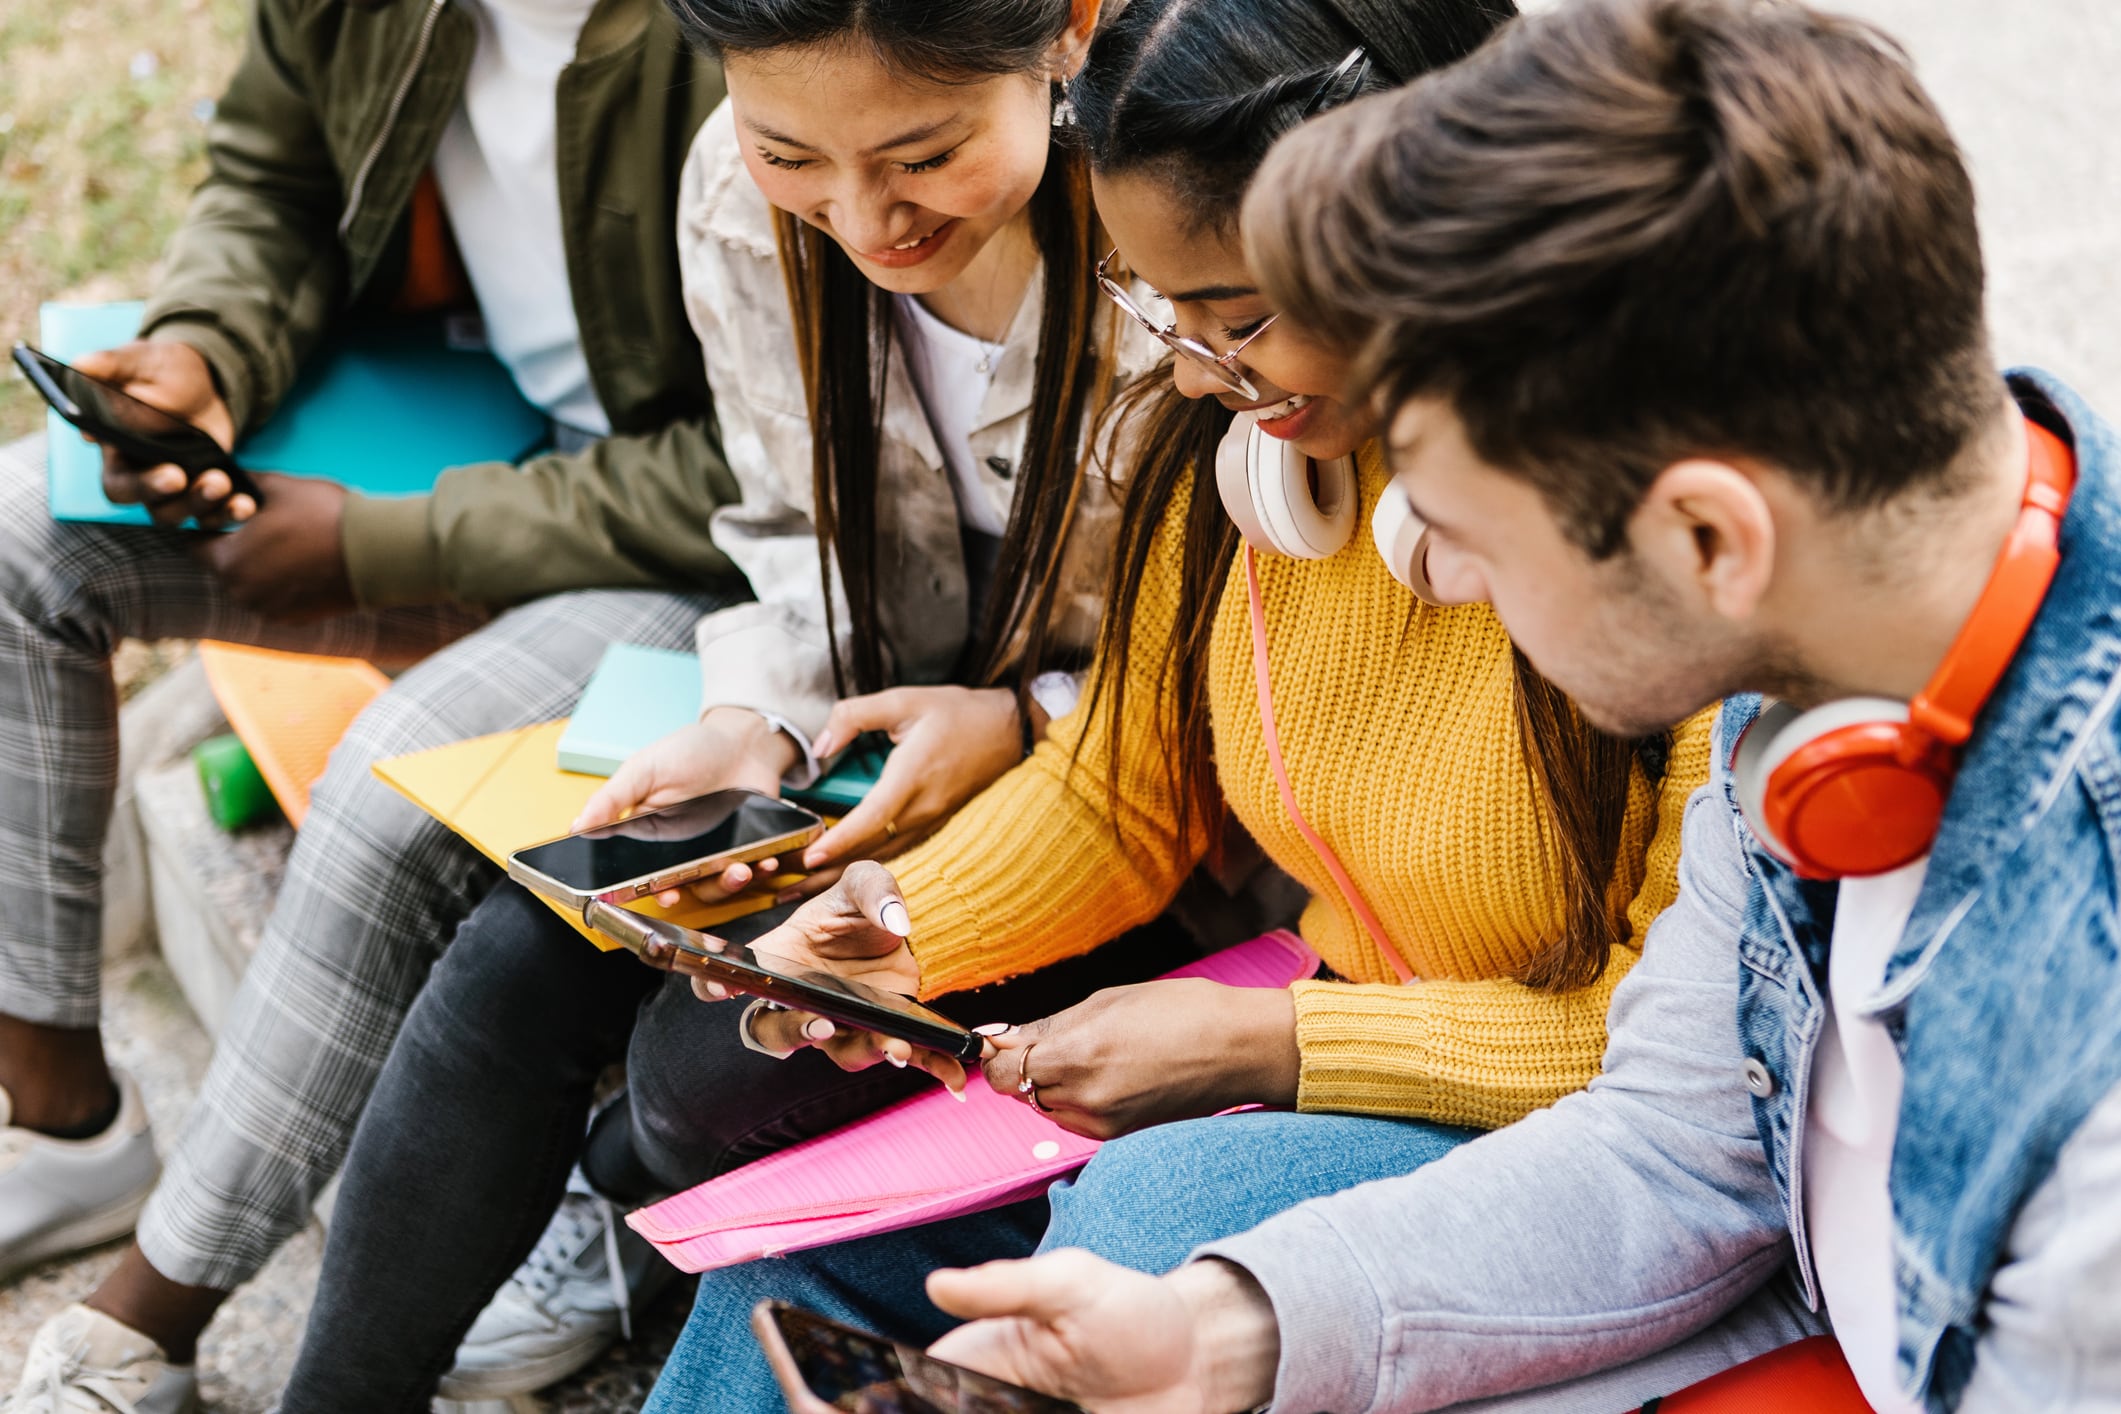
(2004, 995)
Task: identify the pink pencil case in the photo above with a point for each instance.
(918, 1161)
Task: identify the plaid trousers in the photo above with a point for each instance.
(374, 888)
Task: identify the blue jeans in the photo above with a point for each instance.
(1145, 1201)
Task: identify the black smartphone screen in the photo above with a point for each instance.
(865, 1374)
(663, 840)
(109, 414)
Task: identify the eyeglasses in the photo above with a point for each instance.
(1344, 83)
(1223, 368)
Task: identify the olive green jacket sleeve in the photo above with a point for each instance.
(314, 151)
(257, 269)
(628, 511)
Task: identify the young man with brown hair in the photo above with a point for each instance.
(1675, 307)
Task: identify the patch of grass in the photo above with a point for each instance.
(102, 138)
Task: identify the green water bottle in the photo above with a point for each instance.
(236, 795)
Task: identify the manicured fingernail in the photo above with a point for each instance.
(959, 1096)
(993, 1028)
(813, 858)
(894, 1060)
(895, 918)
(819, 1029)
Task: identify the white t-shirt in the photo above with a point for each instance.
(500, 181)
(1849, 1130)
(952, 371)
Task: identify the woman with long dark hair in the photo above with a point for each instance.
(1482, 863)
(884, 255)
(887, 255)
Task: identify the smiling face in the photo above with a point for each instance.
(1213, 298)
(913, 178)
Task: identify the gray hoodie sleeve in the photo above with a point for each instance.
(1621, 1220)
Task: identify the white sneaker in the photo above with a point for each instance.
(61, 1195)
(83, 1362)
(572, 1297)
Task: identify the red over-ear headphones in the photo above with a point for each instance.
(1858, 787)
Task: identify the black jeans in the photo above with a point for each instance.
(466, 1143)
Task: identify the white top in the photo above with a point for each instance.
(1848, 1155)
(500, 182)
(952, 371)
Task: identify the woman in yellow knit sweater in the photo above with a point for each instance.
(1508, 857)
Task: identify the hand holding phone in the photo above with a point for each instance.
(659, 850)
(164, 427)
(735, 969)
(827, 1368)
(857, 931)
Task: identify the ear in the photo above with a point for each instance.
(1074, 43)
(1706, 530)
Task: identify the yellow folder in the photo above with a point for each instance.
(503, 793)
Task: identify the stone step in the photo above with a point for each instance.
(211, 890)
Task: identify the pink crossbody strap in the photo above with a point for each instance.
(1319, 847)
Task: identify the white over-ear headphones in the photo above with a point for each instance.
(1267, 487)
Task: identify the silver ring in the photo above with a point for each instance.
(751, 1042)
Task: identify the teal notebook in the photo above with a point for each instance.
(382, 410)
(638, 695)
(641, 695)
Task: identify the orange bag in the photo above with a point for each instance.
(1809, 1377)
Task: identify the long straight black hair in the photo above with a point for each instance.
(1192, 93)
(843, 326)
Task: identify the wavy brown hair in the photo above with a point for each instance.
(1635, 231)
(1193, 92)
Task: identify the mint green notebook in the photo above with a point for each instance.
(636, 696)
(641, 695)
(384, 410)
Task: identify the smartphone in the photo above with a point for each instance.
(840, 789)
(827, 1368)
(841, 1000)
(141, 432)
(661, 849)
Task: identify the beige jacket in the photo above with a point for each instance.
(773, 655)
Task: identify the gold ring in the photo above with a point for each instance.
(1025, 1085)
(891, 829)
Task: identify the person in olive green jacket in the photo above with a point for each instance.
(369, 157)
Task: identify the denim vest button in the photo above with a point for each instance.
(1757, 1078)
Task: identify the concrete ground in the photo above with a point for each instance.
(2029, 87)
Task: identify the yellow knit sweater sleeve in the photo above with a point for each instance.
(1485, 1053)
(1032, 870)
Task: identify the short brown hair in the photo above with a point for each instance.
(1629, 231)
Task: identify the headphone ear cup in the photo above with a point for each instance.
(1233, 480)
(1266, 487)
(1846, 790)
(1750, 768)
(1402, 540)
